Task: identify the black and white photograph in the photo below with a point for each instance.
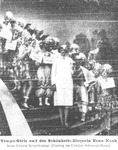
(59, 68)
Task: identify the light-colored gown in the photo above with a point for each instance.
(61, 76)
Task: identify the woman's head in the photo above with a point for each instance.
(96, 69)
(106, 70)
(75, 49)
(63, 50)
(8, 16)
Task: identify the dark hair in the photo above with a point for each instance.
(59, 49)
(27, 25)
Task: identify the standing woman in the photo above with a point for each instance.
(25, 72)
(62, 83)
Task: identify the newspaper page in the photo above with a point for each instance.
(58, 74)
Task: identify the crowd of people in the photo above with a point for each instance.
(64, 73)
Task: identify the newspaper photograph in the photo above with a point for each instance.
(58, 74)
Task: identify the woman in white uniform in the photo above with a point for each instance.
(62, 82)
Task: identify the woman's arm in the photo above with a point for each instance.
(22, 53)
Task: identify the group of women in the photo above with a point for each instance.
(64, 74)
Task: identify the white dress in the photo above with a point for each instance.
(61, 76)
(6, 32)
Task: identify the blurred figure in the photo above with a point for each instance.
(75, 50)
(25, 72)
(94, 39)
(103, 53)
(21, 23)
(6, 32)
(8, 17)
(6, 36)
(62, 83)
(82, 78)
(94, 88)
(106, 96)
(44, 91)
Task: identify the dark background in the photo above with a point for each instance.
(66, 18)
